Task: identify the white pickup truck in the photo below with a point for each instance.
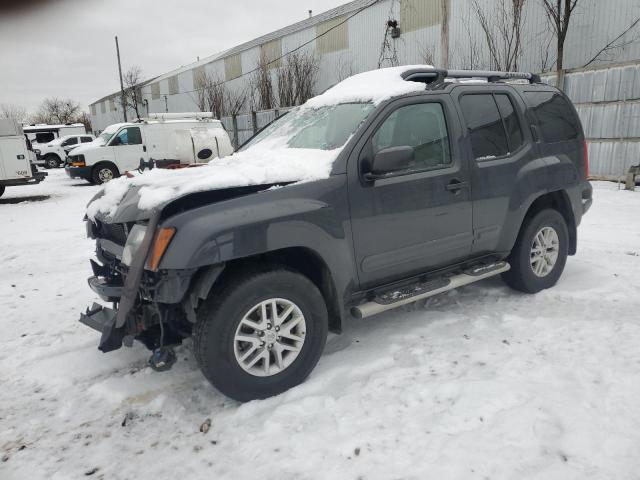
(165, 138)
(15, 166)
(54, 153)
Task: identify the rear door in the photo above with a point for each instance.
(419, 218)
(15, 158)
(499, 148)
(128, 148)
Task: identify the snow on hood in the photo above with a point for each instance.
(256, 166)
(374, 86)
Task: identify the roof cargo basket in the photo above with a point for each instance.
(436, 77)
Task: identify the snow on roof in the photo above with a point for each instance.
(374, 86)
(42, 126)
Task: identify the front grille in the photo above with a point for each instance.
(116, 232)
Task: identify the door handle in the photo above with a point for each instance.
(144, 148)
(456, 185)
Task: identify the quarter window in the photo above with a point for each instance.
(555, 116)
(421, 126)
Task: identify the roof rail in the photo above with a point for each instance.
(436, 77)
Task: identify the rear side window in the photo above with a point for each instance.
(555, 116)
(488, 139)
(511, 122)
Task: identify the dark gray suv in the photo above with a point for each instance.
(451, 178)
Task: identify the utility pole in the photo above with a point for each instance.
(124, 102)
(444, 35)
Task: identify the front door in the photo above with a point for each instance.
(129, 148)
(419, 217)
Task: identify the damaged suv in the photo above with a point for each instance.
(392, 186)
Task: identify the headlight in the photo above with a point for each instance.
(134, 240)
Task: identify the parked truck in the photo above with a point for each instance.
(165, 138)
(15, 165)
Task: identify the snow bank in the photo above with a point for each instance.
(375, 86)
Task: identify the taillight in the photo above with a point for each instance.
(586, 160)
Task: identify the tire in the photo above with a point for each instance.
(219, 320)
(51, 161)
(103, 172)
(533, 267)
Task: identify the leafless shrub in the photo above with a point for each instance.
(261, 84)
(502, 31)
(213, 95)
(427, 54)
(345, 67)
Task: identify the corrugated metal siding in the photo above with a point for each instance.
(155, 91)
(174, 87)
(232, 67)
(272, 53)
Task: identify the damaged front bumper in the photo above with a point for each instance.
(103, 320)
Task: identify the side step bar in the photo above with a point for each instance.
(418, 291)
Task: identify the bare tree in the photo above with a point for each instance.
(559, 15)
(13, 111)
(262, 91)
(297, 78)
(85, 119)
(132, 95)
(213, 95)
(620, 41)
(502, 29)
(54, 110)
(427, 54)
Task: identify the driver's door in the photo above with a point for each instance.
(128, 147)
(419, 217)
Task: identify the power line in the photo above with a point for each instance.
(299, 47)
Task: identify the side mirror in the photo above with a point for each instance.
(116, 142)
(391, 160)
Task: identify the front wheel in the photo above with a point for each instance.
(103, 173)
(51, 161)
(261, 334)
(540, 253)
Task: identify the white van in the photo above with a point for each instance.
(54, 153)
(42, 134)
(15, 165)
(177, 137)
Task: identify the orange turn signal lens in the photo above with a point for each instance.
(77, 164)
(160, 243)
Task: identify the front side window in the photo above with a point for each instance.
(128, 136)
(70, 141)
(44, 137)
(555, 116)
(421, 126)
(86, 139)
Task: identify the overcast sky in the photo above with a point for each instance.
(65, 48)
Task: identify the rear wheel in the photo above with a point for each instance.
(540, 254)
(103, 173)
(261, 334)
(52, 161)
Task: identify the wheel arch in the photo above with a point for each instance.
(557, 200)
(303, 260)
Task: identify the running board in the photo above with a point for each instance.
(418, 291)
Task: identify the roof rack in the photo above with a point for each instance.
(436, 77)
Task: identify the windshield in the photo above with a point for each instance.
(104, 137)
(324, 128)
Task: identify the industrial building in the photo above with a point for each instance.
(367, 34)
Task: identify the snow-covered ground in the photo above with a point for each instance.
(481, 383)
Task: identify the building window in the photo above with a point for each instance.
(333, 35)
(103, 107)
(417, 14)
(198, 77)
(174, 85)
(93, 109)
(271, 53)
(155, 91)
(232, 67)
